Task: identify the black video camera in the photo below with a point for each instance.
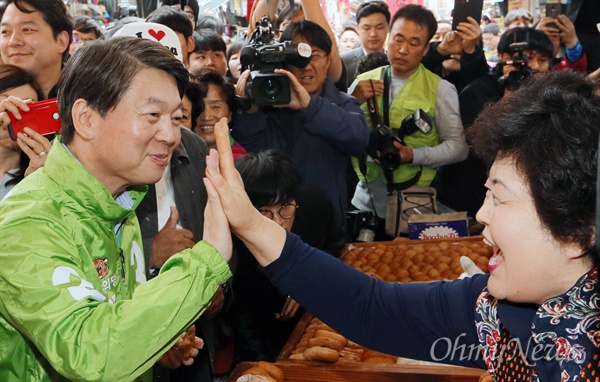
(381, 141)
(522, 70)
(263, 54)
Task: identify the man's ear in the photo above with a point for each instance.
(426, 49)
(191, 44)
(83, 119)
(63, 41)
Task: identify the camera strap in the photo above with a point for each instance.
(376, 123)
(391, 186)
(374, 109)
(387, 78)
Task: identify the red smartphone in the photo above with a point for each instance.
(42, 117)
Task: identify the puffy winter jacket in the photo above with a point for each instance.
(74, 303)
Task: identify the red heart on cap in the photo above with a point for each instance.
(158, 35)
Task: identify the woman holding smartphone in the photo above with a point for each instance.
(18, 159)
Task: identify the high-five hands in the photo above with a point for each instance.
(229, 207)
(227, 198)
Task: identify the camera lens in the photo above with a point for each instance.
(271, 89)
(390, 158)
(265, 89)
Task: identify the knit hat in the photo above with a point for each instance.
(491, 28)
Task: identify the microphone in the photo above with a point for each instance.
(247, 56)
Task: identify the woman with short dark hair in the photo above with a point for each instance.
(262, 316)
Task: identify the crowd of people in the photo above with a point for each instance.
(117, 258)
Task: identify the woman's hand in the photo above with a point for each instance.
(36, 146)
(226, 193)
(13, 105)
(227, 198)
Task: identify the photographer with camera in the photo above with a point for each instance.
(299, 110)
(523, 52)
(420, 127)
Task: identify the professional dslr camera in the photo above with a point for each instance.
(520, 61)
(263, 54)
(381, 141)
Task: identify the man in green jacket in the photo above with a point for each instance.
(74, 301)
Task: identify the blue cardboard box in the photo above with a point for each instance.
(438, 226)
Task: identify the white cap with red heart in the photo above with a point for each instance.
(156, 32)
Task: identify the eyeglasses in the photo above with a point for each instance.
(79, 40)
(286, 211)
(317, 57)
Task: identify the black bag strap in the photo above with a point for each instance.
(391, 186)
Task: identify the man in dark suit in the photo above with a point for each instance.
(373, 19)
(187, 194)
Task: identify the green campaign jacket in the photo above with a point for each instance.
(74, 301)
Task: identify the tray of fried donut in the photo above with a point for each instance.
(358, 372)
(417, 260)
